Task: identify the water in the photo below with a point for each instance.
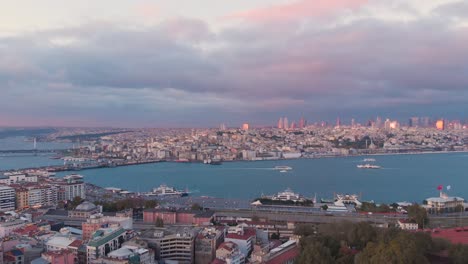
(402, 178)
(27, 160)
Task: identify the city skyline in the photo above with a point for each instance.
(154, 64)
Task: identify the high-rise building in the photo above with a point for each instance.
(222, 126)
(425, 121)
(293, 125)
(285, 123)
(280, 123)
(440, 124)
(413, 122)
(245, 126)
(378, 122)
(338, 122)
(353, 122)
(7, 198)
(301, 123)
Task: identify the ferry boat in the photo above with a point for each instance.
(212, 162)
(164, 190)
(283, 168)
(369, 160)
(288, 195)
(368, 166)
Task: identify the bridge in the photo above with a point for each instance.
(27, 151)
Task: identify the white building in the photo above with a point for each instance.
(8, 226)
(443, 203)
(243, 237)
(60, 242)
(407, 224)
(7, 198)
(103, 242)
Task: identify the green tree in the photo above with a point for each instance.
(275, 235)
(315, 252)
(77, 200)
(150, 203)
(418, 214)
(196, 207)
(159, 222)
(324, 207)
(458, 254)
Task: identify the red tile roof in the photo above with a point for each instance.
(454, 235)
(285, 257)
(248, 233)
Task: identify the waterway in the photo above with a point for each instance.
(402, 177)
(27, 160)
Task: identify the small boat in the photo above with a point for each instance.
(281, 168)
(369, 160)
(182, 160)
(283, 171)
(368, 166)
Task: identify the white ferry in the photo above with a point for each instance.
(368, 166)
(164, 190)
(283, 168)
(288, 195)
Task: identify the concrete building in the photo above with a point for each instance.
(173, 244)
(97, 221)
(7, 198)
(206, 243)
(103, 242)
(229, 253)
(71, 186)
(243, 237)
(84, 210)
(407, 224)
(171, 217)
(6, 227)
(443, 203)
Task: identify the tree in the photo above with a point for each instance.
(150, 203)
(275, 235)
(196, 207)
(458, 253)
(315, 252)
(159, 222)
(77, 200)
(324, 207)
(459, 208)
(418, 214)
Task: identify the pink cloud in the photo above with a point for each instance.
(302, 8)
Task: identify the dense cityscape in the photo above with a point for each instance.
(234, 132)
(50, 219)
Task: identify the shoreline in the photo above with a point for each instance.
(60, 168)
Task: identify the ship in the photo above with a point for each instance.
(212, 162)
(369, 160)
(368, 166)
(288, 195)
(283, 168)
(164, 190)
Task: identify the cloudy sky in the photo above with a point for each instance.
(184, 63)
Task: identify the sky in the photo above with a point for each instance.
(185, 63)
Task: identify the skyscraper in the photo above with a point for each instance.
(440, 124)
(413, 122)
(338, 122)
(301, 123)
(285, 123)
(280, 123)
